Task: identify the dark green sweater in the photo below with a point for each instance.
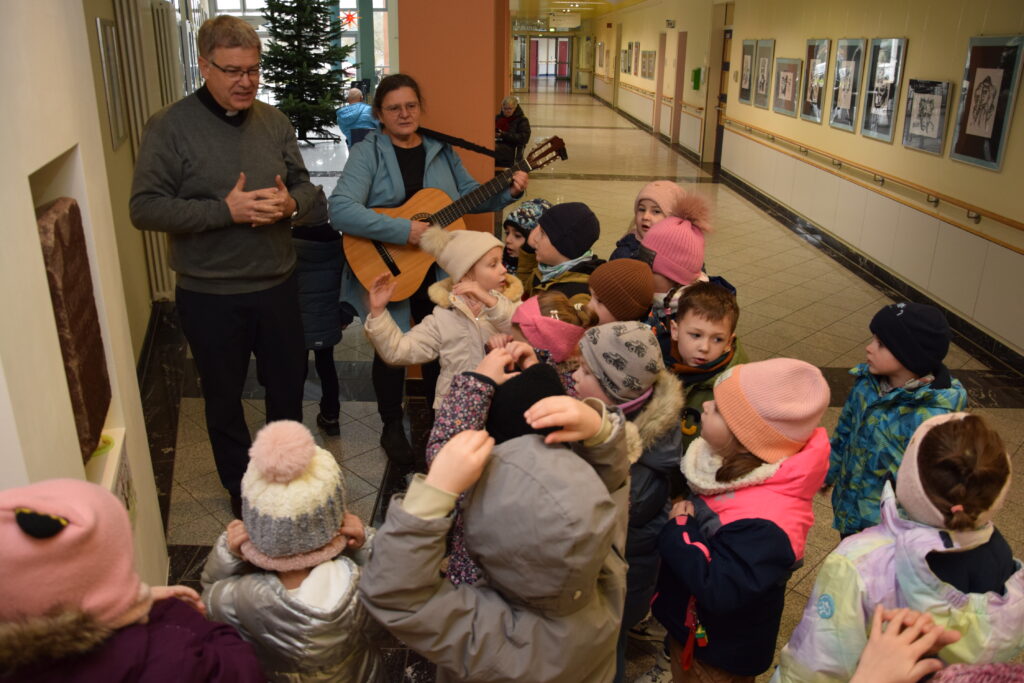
(189, 161)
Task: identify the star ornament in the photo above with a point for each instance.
(349, 18)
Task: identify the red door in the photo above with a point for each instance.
(563, 59)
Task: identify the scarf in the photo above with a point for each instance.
(550, 272)
(691, 375)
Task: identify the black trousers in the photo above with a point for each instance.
(223, 330)
(389, 380)
(323, 361)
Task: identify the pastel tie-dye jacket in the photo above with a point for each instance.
(887, 565)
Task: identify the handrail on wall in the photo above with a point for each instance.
(974, 213)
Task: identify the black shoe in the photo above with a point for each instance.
(236, 506)
(330, 427)
(395, 443)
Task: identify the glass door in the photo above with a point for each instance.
(520, 63)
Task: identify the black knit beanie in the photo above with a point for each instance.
(916, 334)
(505, 419)
(572, 228)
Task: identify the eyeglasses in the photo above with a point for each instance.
(408, 107)
(236, 74)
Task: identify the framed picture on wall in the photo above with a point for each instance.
(991, 77)
(882, 90)
(846, 83)
(812, 99)
(110, 61)
(746, 70)
(636, 58)
(924, 120)
(787, 86)
(763, 72)
(600, 55)
(625, 61)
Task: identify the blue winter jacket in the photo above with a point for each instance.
(372, 178)
(318, 270)
(872, 433)
(358, 115)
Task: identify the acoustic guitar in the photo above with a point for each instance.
(409, 264)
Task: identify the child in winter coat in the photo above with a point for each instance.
(474, 303)
(621, 366)
(730, 549)
(318, 263)
(519, 223)
(72, 607)
(562, 260)
(547, 526)
(621, 290)
(935, 551)
(656, 200)
(280, 576)
(901, 385)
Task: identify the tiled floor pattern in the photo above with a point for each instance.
(795, 301)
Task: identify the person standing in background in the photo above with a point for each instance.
(356, 118)
(221, 173)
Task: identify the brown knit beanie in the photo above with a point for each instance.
(772, 406)
(625, 287)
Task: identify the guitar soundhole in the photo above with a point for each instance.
(425, 217)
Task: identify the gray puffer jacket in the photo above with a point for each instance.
(294, 641)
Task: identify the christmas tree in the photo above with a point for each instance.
(302, 63)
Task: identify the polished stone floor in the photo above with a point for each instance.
(795, 301)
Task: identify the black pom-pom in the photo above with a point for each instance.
(38, 525)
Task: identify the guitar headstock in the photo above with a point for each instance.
(546, 152)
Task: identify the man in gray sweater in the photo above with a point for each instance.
(221, 173)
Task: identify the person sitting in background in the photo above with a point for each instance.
(511, 132)
(356, 118)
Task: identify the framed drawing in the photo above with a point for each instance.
(787, 86)
(991, 77)
(924, 120)
(846, 84)
(110, 61)
(636, 57)
(624, 62)
(763, 72)
(746, 70)
(812, 100)
(885, 70)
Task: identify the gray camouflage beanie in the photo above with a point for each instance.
(624, 357)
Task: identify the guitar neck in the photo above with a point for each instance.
(470, 201)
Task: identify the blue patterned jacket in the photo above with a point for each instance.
(870, 438)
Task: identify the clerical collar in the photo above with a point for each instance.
(236, 118)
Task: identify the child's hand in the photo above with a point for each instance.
(522, 353)
(474, 293)
(893, 655)
(682, 508)
(381, 290)
(352, 527)
(499, 341)
(460, 462)
(183, 593)
(237, 535)
(577, 420)
(496, 365)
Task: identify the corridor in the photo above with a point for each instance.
(795, 301)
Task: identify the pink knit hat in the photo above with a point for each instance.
(772, 406)
(67, 544)
(674, 246)
(664, 193)
(557, 337)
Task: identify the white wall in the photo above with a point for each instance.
(51, 122)
(977, 278)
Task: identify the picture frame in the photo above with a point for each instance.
(812, 96)
(882, 87)
(846, 83)
(600, 55)
(625, 61)
(113, 86)
(762, 75)
(924, 119)
(786, 95)
(990, 82)
(746, 71)
(636, 58)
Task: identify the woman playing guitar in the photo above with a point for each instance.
(384, 170)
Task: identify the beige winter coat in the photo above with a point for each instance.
(450, 333)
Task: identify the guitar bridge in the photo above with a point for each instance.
(386, 257)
